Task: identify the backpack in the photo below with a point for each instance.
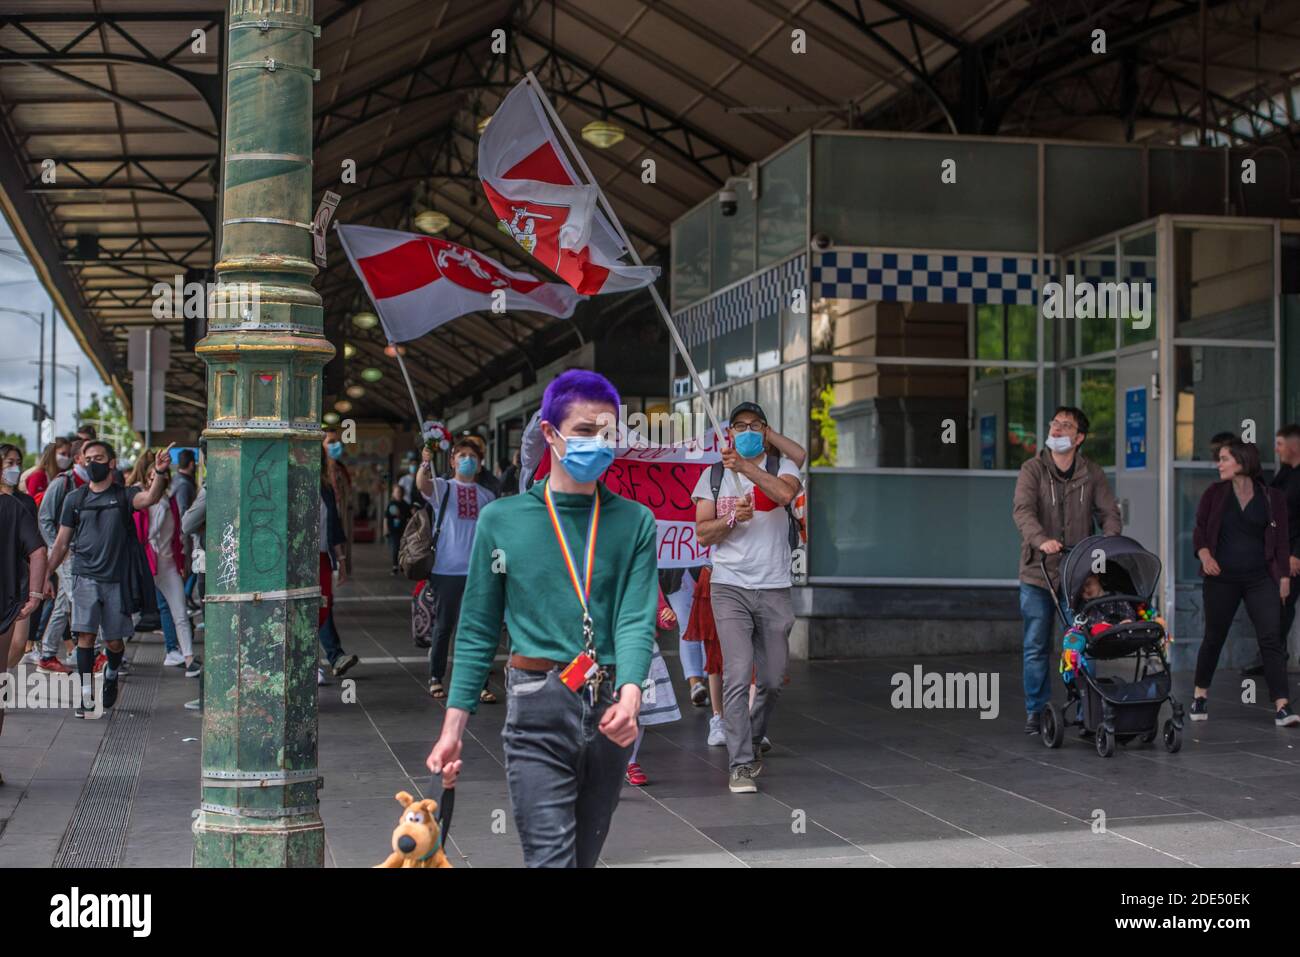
(419, 547)
(138, 593)
(773, 467)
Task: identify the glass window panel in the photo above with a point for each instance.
(794, 334)
(874, 191)
(768, 341)
(1096, 396)
(849, 327)
(1186, 181)
(740, 392)
(1006, 332)
(691, 257)
(870, 415)
(1090, 190)
(1218, 389)
(1004, 408)
(1189, 485)
(1291, 357)
(733, 354)
(700, 356)
(794, 404)
(883, 526)
(1138, 265)
(769, 397)
(1223, 283)
(783, 205)
(733, 240)
(266, 396)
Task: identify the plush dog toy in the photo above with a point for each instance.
(417, 839)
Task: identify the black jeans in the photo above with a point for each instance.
(1264, 606)
(564, 776)
(448, 591)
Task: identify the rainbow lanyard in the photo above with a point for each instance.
(581, 585)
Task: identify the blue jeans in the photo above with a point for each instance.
(563, 774)
(1037, 608)
(168, 626)
(329, 639)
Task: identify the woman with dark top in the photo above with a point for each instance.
(1241, 542)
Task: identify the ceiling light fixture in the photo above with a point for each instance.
(603, 134)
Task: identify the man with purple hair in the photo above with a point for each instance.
(571, 567)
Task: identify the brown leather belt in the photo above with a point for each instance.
(524, 663)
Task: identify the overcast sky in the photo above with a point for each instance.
(20, 347)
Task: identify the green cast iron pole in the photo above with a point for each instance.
(265, 351)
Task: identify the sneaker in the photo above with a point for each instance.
(422, 642)
(53, 665)
(636, 777)
(717, 737)
(195, 705)
(32, 657)
(1200, 709)
(762, 746)
(742, 780)
(110, 690)
(1285, 717)
(194, 668)
(173, 658)
(1033, 723)
(100, 662)
(320, 677)
(343, 664)
(699, 694)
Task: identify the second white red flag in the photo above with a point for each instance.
(543, 203)
(417, 283)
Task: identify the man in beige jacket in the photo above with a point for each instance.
(1061, 497)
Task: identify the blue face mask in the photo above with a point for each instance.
(749, 444)
(586, 457)
(335, 450)
(467, 466)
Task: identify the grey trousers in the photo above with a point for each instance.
(57, 626)
(754, 631)
(564, 776)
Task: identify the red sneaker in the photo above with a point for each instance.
(635, 776)
(100, 662)
(53, 664)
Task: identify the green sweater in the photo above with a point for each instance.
(517, 568)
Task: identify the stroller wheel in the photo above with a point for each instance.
(1173, 738)
(1105, 742)
(1053, 730)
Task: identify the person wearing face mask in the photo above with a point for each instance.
(22, 562)
(53, 461)
(456, 507)
(1060, 498)
(484, 477)
(11, 467)
(56, 629)
(95, 528)
(340, 482)
(571, 567)
(741, 512)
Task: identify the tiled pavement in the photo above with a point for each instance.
(851, 782)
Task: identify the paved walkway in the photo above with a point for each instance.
(850, 782)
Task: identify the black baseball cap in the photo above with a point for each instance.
(747, 407)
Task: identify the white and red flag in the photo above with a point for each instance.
(544, 204)
(417, 283)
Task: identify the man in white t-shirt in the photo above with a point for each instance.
(456, 504)
(749, 528)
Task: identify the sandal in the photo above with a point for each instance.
(635, 776)
(436, 690)
(487, 697)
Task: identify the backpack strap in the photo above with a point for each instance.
(773, 464)
(715, 480)
(442, 513)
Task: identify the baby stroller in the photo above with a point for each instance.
(1108, 708)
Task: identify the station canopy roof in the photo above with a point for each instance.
(127, 104)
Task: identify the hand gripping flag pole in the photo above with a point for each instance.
(536, 87)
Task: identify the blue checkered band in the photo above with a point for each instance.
(891, 276)
(744, 302)
(1103, 270)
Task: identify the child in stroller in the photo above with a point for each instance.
(1108, 617)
